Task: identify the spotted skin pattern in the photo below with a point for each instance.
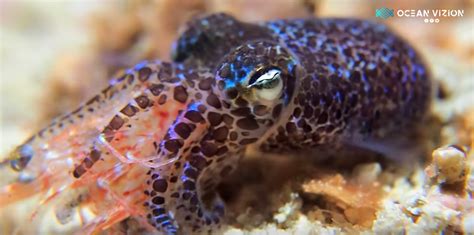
(342, 81)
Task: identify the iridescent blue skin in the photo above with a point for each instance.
(345, 81)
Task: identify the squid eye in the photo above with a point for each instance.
(268, 84)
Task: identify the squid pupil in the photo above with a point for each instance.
(263, 84)
(267, 84)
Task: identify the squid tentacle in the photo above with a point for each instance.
(176, 191)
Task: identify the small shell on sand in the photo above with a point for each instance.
(449, 165)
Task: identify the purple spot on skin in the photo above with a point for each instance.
(140, 65)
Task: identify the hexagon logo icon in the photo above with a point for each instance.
(384, 13)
